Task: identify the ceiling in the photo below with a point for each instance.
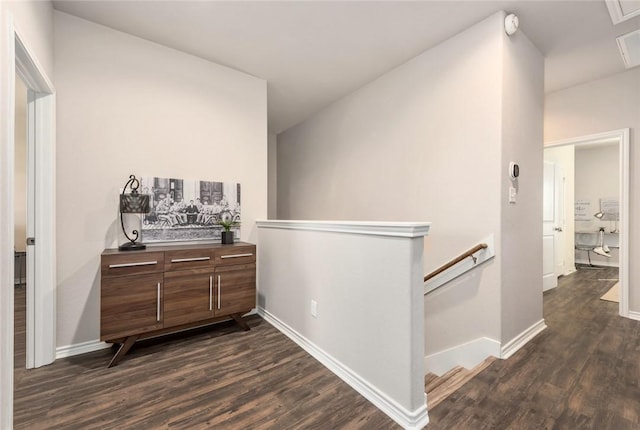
(312, 53)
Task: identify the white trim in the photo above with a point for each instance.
(81, 348)
(634, 315)
(617, 15)
(624, 48)
(407, 419)
(622, 137)
(467, 355)
(29, 68)
(41, 291)
(463, 267)
(7, 99)
(375, 228)
(585, 262)
(522, 339)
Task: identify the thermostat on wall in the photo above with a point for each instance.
(514, 170)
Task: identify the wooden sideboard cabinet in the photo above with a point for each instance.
(165, 289)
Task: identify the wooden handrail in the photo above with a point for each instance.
(456, 260)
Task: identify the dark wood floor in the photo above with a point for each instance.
(19, 330)
(222, 379)
(581, 373)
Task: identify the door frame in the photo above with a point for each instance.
(622, 136)
(549, 279)
(16, 57)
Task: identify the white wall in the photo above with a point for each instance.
(33, 20)
(597, 170)
(564, 157)
(272, 168)
(425, 142)
(368, 326)
(597, 173)
(20, 166)
(125, 106)
(422, 142)
(521, 223)
(603, 105)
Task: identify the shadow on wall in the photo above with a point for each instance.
(459, 311)
(87, 299)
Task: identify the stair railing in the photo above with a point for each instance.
(467, 254)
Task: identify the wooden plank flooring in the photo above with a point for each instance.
(583, 372)
(439, 388)
(210, 379)
(19, 332)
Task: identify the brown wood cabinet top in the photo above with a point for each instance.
(162, 248)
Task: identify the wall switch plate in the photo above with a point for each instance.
(314, 309)
(512, 195)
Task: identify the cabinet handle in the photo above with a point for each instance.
(237, 255)
(158, 304)
(142, 263)
(184, 260)
(219, 284)
(210, 293)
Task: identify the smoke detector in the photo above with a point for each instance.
(511, 23)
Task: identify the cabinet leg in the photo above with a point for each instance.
(238, 319)
(124, 348)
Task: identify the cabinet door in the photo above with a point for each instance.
(188, 296)
(235, 289)
(130, 305)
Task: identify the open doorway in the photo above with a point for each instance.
(594, 231)
(40, 126)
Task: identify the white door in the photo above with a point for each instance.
(31, 230)
(559, 221)
(549, 278)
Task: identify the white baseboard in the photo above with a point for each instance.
(522, 339)
(410, 420)
(467, 355)
(598, 263)
(634, 315)
(80, 348)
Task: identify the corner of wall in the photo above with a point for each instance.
(522, 143)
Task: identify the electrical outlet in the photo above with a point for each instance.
(314, 309)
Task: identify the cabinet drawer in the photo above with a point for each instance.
(235, 255)
(188, 259)
(123, 264)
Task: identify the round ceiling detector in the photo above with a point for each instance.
(511, 24)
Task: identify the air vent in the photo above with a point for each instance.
(629, 45)
(622, 10)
